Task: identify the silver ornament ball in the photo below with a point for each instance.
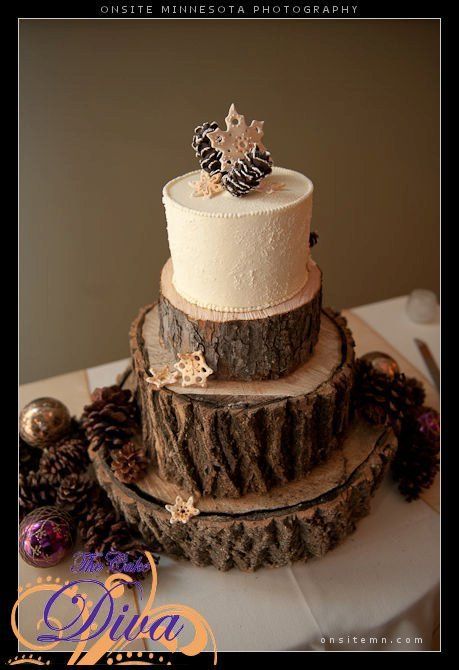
(382, 363)
(44, 421)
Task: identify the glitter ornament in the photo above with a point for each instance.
(46, 536)
(44, 421)
(382, 363)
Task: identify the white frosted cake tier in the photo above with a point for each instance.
(239, 254)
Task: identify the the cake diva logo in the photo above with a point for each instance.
(104, 626)
(234, 159)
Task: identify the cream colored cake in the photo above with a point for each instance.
(240, 254)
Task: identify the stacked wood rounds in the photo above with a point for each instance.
(245, 346)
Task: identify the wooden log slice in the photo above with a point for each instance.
(262, 344)
(297, 521)
(234, 437)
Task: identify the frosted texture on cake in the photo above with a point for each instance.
(239, 254)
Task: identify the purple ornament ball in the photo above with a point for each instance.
(429, 423)
(46, 536)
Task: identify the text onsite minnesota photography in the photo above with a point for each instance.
(229, 335)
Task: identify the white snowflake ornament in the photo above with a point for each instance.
(163, 377)
(207, 186)
(237, 139)
(193, 368)
(182, 511)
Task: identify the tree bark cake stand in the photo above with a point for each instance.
(277, 468)
(232, 438)
(247, 346)
(295, 522)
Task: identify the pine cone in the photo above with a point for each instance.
(382, 399)
(416, 461)
(29, 457)
(64, 458)
(247, 172)
(102, 528)
(111, 419)
(209, 158)
(313, 239)
(76, 493)
(129, 463)
(35, 490)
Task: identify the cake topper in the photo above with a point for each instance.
(237, 153)
(237, 140)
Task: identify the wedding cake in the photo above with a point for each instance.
(243, 379)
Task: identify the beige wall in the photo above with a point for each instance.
(107, 110)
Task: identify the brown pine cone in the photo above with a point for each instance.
(29, 457)
(64, 458)
(381, 399)
(209, 158)
(129, 463)
(111, 419)
(76, 493)
(247, 172)
(103, 528)
(35, 490)
(417, 460)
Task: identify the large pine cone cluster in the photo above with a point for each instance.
(381, 399)
(111, 419)
(129, 463)
(209, 158)
(248, 172)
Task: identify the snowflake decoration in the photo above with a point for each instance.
(237, 139)
(163, 377)
(182, 511)
(193, 368)
(270, 187)
(207, 186)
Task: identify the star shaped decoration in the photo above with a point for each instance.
(238, 138)
(207, 186)
(163, 377)
(193, 368)
(270, 187)
(182, 511)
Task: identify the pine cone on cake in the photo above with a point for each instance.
(35, 490)
(209, 158)
(129, 463)
(383, 399)
(111, 419)
(64, 458)
(76, 493)
(248, 172)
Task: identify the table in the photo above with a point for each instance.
(383, 582)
